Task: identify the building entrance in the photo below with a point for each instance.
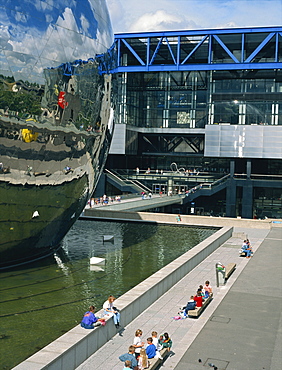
(157, 188)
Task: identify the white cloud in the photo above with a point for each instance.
(118, 15)
(160, 21)
(145, 15)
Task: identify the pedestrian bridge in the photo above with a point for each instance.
(137, 204)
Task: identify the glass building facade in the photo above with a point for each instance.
(193, 99)
(191, 79)
(204, 99)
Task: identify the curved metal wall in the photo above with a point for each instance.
(56, 118)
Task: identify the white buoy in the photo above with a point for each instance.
(35, 214)
(108, 238)
(97, 261)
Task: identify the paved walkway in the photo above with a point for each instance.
(138, 204)
(245, 330)
(185, 333)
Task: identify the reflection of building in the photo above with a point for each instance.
(55, 119)
(209, 100)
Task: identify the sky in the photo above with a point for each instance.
(167, 15)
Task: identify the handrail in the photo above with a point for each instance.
(124, 180)
(113, 174)
(142, 186)
(257, 176)
(220, 180)
(208, 185)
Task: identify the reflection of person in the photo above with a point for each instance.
(129, 357)
(110, 310)
(89, 320)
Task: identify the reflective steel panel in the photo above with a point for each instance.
(56, 118)
(240, 141)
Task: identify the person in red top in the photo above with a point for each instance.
(199, 299)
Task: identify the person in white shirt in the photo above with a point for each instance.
(157, 344)
(112, 311)
(137, 343)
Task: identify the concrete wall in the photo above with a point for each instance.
(74, 347)
(205, 221)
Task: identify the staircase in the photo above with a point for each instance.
(124, 184)
(207, 189)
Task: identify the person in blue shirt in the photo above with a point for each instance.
(130, 356)
(151, 348)
(89, 319)
(247, 249)
(191, 304)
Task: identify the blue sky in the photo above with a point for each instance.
(160, 15)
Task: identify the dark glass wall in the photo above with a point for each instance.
(197, 98)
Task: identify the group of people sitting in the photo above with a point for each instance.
(197, 300)
(139, 353)
(246, 248)
(90, 321)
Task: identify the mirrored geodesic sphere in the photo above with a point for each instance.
(56, 117)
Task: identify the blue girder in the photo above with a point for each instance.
(150, 50)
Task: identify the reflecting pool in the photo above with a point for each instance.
(41, 301)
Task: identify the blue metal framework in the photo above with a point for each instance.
(219, 49)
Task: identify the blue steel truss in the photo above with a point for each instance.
(220, 49)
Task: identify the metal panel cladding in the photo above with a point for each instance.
(56, 118)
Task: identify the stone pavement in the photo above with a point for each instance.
(244, 332)
(194, 339)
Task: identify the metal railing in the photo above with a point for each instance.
(123, 180)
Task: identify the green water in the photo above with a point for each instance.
(40, 302)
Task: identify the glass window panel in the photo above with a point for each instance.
(267, 53)
(252, 41)
(219, 54)
(226, 112)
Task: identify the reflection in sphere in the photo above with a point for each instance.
(56, 118)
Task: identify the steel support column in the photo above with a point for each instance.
(247, 199)
(231, 198)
